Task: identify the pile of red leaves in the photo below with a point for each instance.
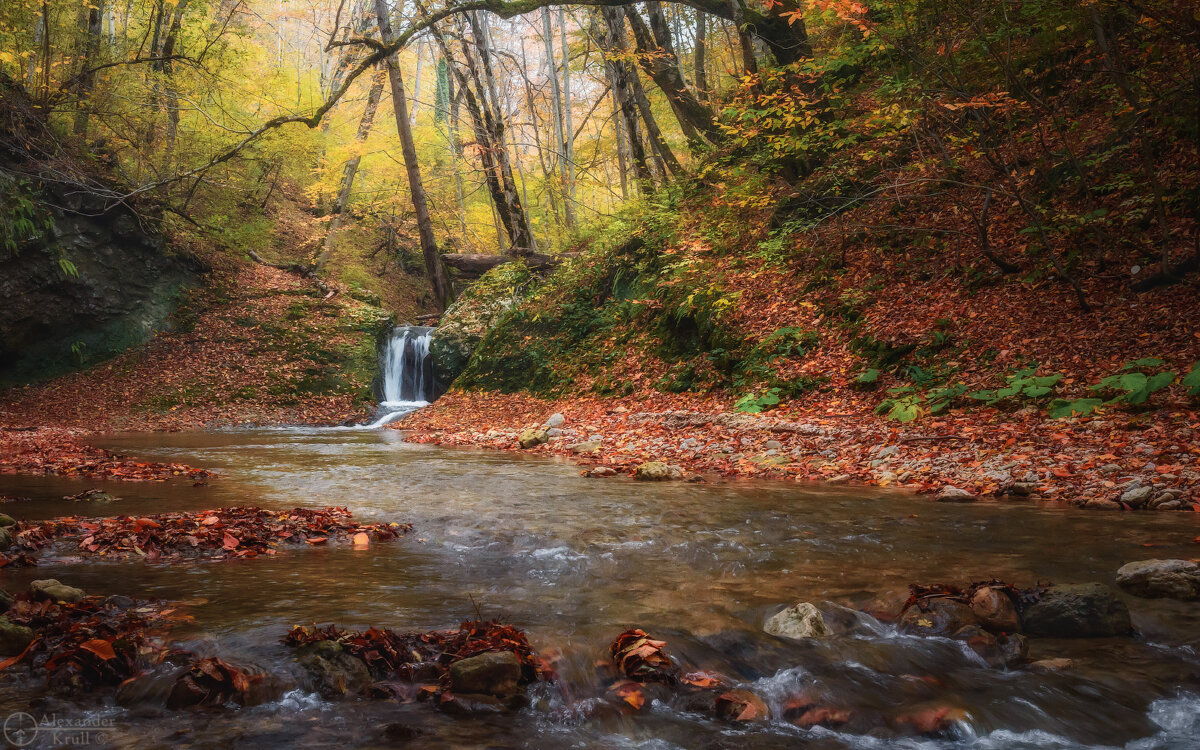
(420, 657)
(223, 533)
(91, 643)
(212, 682)
(49, 450)
(641, 658)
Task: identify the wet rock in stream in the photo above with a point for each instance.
(801, 620)
(1161, 579)
(333, 672)
(1083, 610)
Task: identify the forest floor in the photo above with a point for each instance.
(255, 346)
(1081, 462)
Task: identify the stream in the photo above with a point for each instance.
(574, 561)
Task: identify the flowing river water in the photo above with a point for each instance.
(574, 561)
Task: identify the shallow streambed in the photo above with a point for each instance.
(574, 561)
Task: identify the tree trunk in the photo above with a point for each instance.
(568, 126)
(622, 73)
(699, 74)
(656, 53)
(746, 42)
(350, 171)
(433, 264)
(87, 77)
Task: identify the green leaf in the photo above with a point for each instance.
(982, 395)
(1036, 391)
(868, 376)
(905, 411)
(1192, 380)
(1144, 362)
(1132, 381)
(1060, 408)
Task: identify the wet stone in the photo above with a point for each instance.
(493, 673)
(995, 610)
(1161, 579)
(13, 638)
(801, 620)
(1085, 610)
(942, 617)
(50, 589)
(950, 494)
(334, 672)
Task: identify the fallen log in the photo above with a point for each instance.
(474, 265)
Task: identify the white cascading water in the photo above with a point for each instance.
(407, 374)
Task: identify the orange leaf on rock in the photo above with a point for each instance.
(230, 542)
(99, 647)
(361, 540)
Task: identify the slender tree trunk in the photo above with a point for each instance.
(622, 147)
(434, 269)
(172, 94)
(569, 128)
(621, 72)
(350, 171)
(87, 78)
(417, 81)
(738, 11)
(699, 73)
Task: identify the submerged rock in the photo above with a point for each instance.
(801, 620)
(6, 600)
(334, 672)
(941, 616)
(1083, 610)
(657, 471)
(532, 438)
(50, 589)
(495, 673)
(13, 638)
(1161, 579)
(601, 471)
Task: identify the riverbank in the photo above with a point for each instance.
(1120, 461)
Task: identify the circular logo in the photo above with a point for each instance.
(20, 729)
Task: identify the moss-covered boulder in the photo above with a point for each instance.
(472, 315)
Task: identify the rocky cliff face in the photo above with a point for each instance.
(81, 275)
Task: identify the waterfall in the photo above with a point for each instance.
(407, 373)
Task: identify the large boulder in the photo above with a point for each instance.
(495, 673)
(13, 638)
(801, 620)
(6, 538)
(470, 317)
(1082, 610)
(334, 672)
(1161, 579)
(49, 589)
(940, 616)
